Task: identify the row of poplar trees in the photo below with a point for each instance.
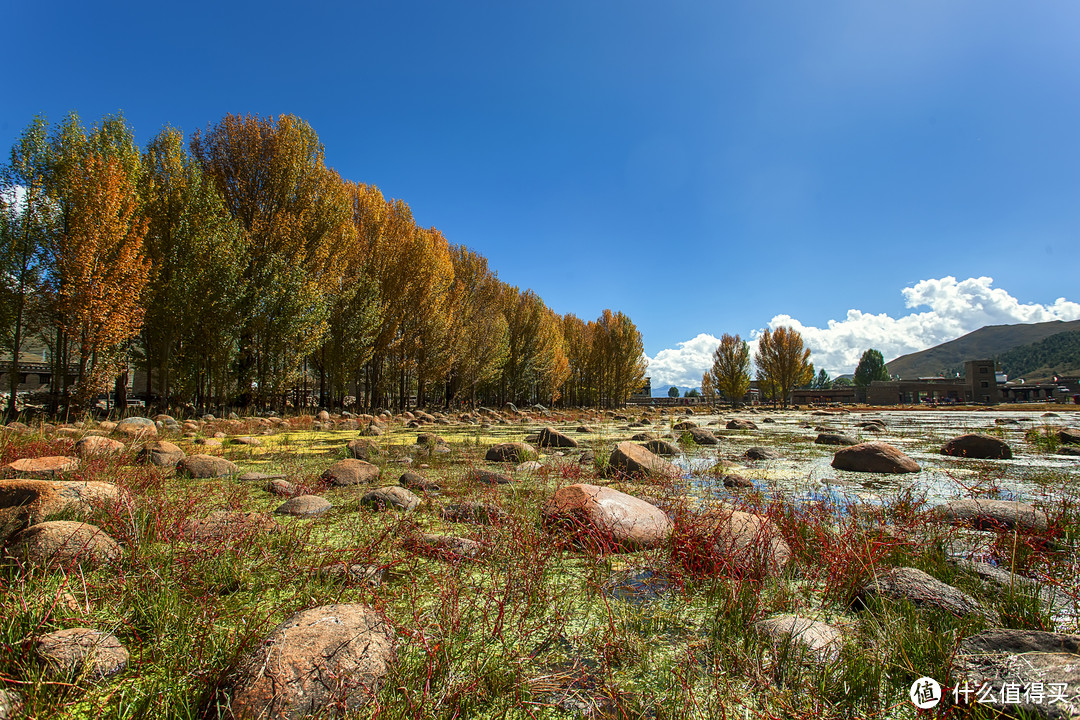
(238, 269)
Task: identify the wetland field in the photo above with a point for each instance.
(534, 563)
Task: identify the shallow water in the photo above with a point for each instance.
(804, 469)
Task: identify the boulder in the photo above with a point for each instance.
(733, 542)
(515, 452)
(430, 439)
(1069, 436)
(206, 466)
(605, 518)
(362, 449)
(662, 447)
(1026, 659)
(328, 659)
(281, 488)
(44, 466)
(26, 502)
(306, 506)
(921, 589)
(98, 445)
(11, 704)
(760, 453)
(81, 653)
(449, 547)
(162, 453)
(474, 512)
(630, 459)
(876, 457)
(64, 543)
(391, 496)
(251, 476)
(351, 472)
(684, 425)
(827, 438)
(987, 514)
(819, 640)
(413, 481)
(701, 436)
(550, 437)
(488, 477)
(736, 481)
(222, 525)
(246, 440)
(137, 427)
(976, 445)
(741, 425)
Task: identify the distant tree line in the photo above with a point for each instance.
(238, 269)
(1056, 355)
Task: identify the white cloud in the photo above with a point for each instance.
(685, 364)
(955, 308)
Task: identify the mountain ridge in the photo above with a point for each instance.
(990, 341)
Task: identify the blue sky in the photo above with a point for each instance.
(703, 167)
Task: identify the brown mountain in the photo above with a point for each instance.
(987, 342)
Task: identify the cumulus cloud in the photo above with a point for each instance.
(685, 364)
(955, 308)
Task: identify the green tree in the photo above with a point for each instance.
(871, 367)
(821, 381)
(295, 219)
(731, 368)
(27, 221)
(673, 392)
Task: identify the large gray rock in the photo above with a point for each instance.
(98, 445)
(702, 436)
(81, 653)
(64, 544)
(306, 506)
(628, 459)
(741, 425)
(391, 496)
(488, 477)
(1069, 436)
(26, 502)
(921, 589)
(978, 446)
(474, 512)
(737, 543)
(760, 453)
(662, 447)
(137, 427)
(515, 452)
(162, 453)
(1031, 660)
(829, 438)
(44, 466)
(351, 472)
(550, 437)
(222, 525)
(988, 514)
(11, 704)
(326, 659)
(362, 449)
(206, 466)
(605, 518)
(875, 457)
(819, 640)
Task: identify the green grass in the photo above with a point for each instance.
(527, 630)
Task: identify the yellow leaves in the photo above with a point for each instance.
(783, 363)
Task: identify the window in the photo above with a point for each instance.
(985, 384)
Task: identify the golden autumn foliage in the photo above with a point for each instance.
(783, 363)
(264, 277)
(730, 372)
(102, 269)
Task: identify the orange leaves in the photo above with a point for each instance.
(101, 266)
(783, 363)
